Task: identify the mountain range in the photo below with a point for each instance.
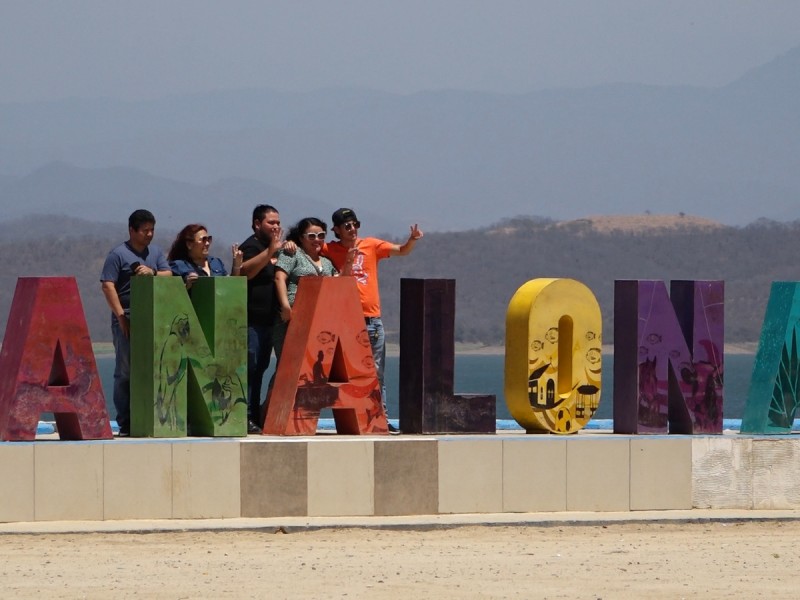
(488, 264)
(450, 160)
(110, 194)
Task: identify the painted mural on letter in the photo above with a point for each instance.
(553, 356)
(189, 357)
(677, 364)
(326, 362)
(561, 412)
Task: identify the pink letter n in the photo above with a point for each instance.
(668, 361)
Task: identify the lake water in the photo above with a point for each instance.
(483, 374)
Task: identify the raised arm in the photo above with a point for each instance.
(413, 236)
(236, 260)
(253, 266)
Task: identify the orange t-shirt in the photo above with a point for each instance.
(365, 268)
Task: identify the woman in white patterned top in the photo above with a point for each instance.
(309, 237)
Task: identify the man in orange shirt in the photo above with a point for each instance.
(367, 253)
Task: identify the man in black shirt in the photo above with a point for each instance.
(259, 267)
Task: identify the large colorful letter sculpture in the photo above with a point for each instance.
(427, 361)
(326, 363)
(553, 355)
(668, 356)
(47, 364)
(775, 384)
(188, 357)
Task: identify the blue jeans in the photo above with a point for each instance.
(122, 375)
(377, 339)
(259, 348)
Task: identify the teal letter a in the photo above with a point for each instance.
(774, 386)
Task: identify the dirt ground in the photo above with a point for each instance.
(641, 560)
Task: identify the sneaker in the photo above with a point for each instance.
(252, 428)
(394, 430)
(124, 432)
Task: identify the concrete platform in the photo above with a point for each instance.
(395, 477)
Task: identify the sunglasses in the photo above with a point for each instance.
(352, 225)
(315, 236)
(206, 239)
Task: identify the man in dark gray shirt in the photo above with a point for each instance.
(135, 257)
(259, 267)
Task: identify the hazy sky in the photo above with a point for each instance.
(149, 48)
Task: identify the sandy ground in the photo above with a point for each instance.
(633, 560)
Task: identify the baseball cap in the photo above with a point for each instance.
(343, 215)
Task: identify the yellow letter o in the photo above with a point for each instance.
(553, 357)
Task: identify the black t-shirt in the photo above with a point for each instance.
(261, 288)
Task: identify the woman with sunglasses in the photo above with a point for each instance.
(307, 260)
(189, 257)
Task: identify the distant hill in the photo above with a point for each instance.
(110, 194)
(451, 160)
(643, 223)
(769, 87)
(489, 264)
(57, 230)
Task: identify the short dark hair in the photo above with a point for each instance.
(260, 211)
(140, 217)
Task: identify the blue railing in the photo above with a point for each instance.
(46, 427)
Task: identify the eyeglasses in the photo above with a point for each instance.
(206, 239)
(315, 236)
(352, 225)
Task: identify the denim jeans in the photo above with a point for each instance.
(259, 349)
(122, 375)
(377, 339)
